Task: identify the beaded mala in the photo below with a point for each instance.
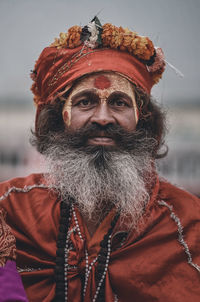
(103, 261)
(88, 270)
(61, 269)
(62, 252)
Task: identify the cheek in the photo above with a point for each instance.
(79, 119)
(128, 120)
(132, 123)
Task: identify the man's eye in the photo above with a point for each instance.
(84, 102)
(118, 103)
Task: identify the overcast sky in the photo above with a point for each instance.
(27, 26)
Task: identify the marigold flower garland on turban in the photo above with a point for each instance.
(95, 48)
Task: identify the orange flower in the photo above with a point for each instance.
(149, 49)
(156, 76)
(116, 39)
(73, 37)
(134, 44)
(113, 37)
(106, 36)
(144, 49)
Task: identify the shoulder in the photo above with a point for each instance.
(178, 198)
(26, 197)
(21, 182)
(23, 191)
(32, 210)
(183, 210)
(21, 185)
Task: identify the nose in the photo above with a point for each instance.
(102, 115)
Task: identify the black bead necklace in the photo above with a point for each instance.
(60, 268)
(62, 256)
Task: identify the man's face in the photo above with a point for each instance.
(101, 99)
(101, 159)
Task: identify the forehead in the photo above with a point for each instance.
(102, 81)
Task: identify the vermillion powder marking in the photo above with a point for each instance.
(102, 82)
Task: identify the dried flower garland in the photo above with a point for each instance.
(95, 35)
(111, 36)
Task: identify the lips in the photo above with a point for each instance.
(101, 140)
(100, 137)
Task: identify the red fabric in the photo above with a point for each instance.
(150, 266)
(58, 68)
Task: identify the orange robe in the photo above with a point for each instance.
(160, 263)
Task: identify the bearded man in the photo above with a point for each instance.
(101, 225)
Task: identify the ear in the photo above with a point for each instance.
(66, 113)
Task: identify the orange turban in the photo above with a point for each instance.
(71, 57)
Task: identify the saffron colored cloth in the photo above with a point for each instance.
(159, 263)
(11, 287)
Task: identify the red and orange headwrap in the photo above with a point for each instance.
(95, 48)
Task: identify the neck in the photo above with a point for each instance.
(91, 226)
(93, 222)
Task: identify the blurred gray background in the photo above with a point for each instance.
(27, 26)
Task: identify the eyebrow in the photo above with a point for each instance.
(122, 94)
(90, 92)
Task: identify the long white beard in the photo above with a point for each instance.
(122, 182)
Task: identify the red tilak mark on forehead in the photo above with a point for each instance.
(102, 82)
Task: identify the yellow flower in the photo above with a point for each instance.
(116, 39)
(63, 37)
(60, 42)
(128, 37)
(56, 43)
